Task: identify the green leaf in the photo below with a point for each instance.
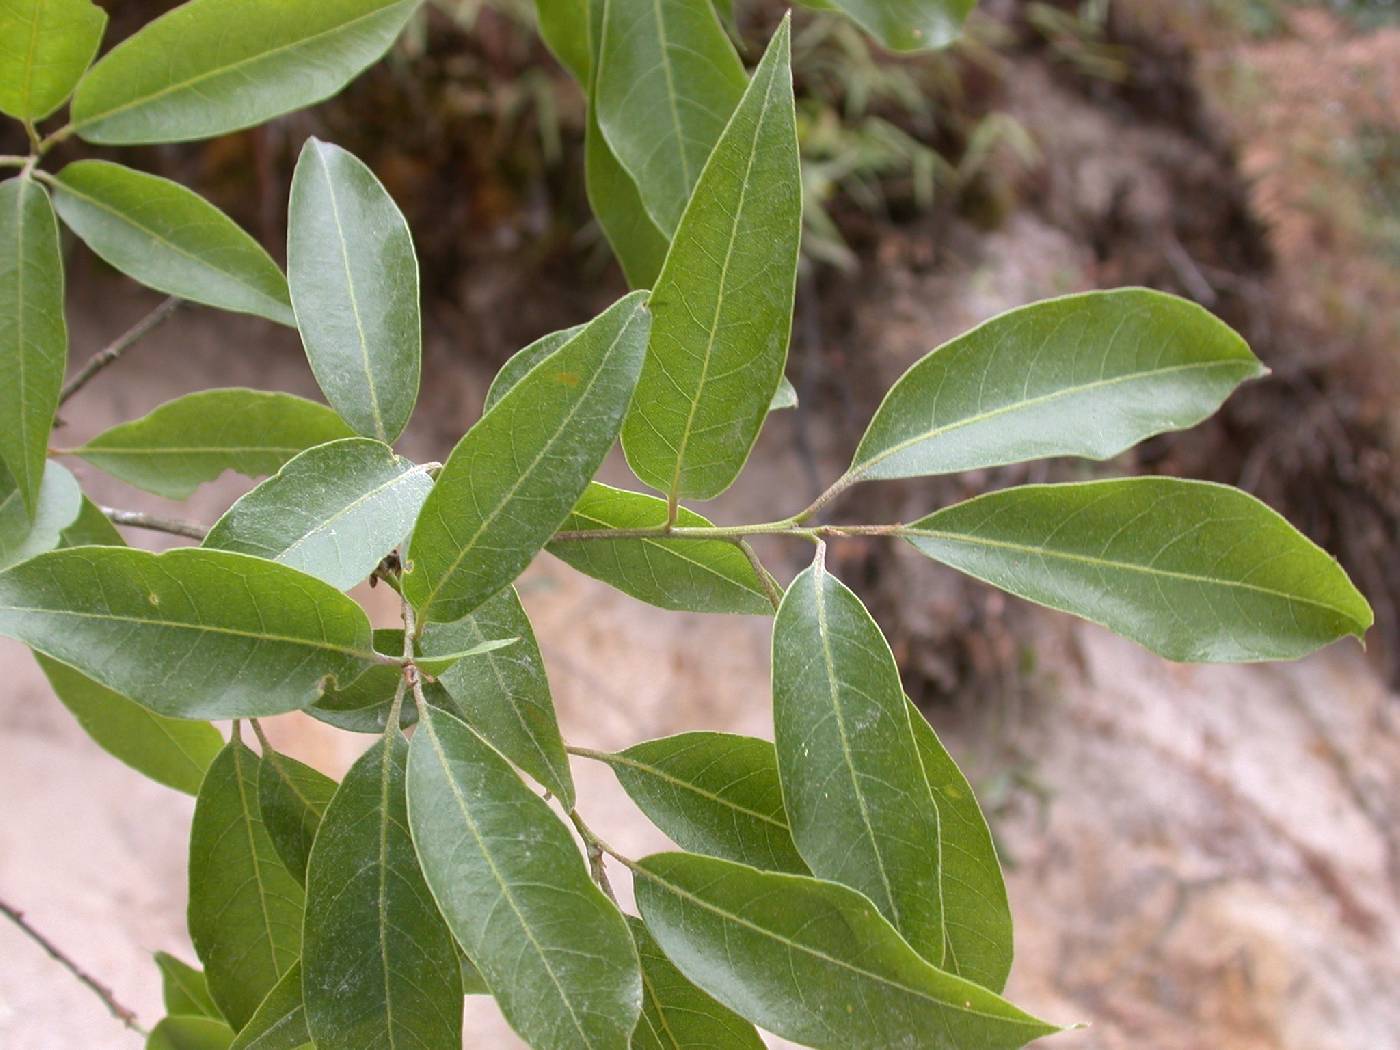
(723, 302)
(170, 238)
(511, 481)
(33, 332)
(676, 1015)
(814, 961)
(195, 438)
(512, 885)
(854, 789)
(280, 1020)
(354, 282)
(905, 25)
(190, 1033)
(564, 29)
(976, 915)
(362, 706)
(472, 981)
(175, 752)
(45, 45)
(212, 66)
(59, 503)
(519, 364)
(91, 528)
(712, 793)
(711, 576)
(333, 511)
(184, 988)
(292, 798)
(504, 695)
(1193, 571)
(245, 909)
(1085, 375)
(379, 965)
(189, 633)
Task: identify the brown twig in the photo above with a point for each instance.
(113, 350)
(138, 520)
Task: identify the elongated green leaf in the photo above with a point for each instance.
(905, 25)
(190, 1033)
(564, 28)
(175, 752)
(723, 302)
(853, 786)
(504, 695)
(512, 885)
(379, 965)
(354, 282)
(195, 438)
(292, 798)
(211, 66)
(91, 528)
(245, 908)
(333, 511)
(279, 1023)
(33, 332)
(1193, 571)
(1085, 375)
(184, 989)
(59, 503)
(167, 237)
(814, 961)
(712, 793)
(45, 45)
(511, 481)
(519, 364)
(712, 576)
(676, 1015)
(190, 633)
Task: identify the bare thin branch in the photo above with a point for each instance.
(769, 587)
(137, 520)
(110, 353)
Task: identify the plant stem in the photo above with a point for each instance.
(839, 486)
(124, 1014)
(788, 527)
(52, 140)
(138, 520)
(769, 588)
(10, 161)
(596, 848)
(108, 354)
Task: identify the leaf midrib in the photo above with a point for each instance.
(325, 523)
(622, 759)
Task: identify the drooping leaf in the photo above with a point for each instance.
(668, 79)
(175, 752)
(712, 576)
(45, 45)
(33, 332)
(170, 238)
(184, 989)
(91, 528)
(519, 364)
(854, 789)
(723, 304)
(511, 481)
(189, 633)
(379, 966)
(512, 885)
(1191, 570)
(354, 282)
(333, 511)
(212, 66)
(245, 909)
(814, 961)
(279, 1023)
(504, 695)
(190, 1033)
(905, 25)
(1084, 375)
(195, 438)
(676, 1015)
(57, 508)
(564, 29)
(712, 793)
(292, 798)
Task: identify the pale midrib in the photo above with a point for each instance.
(27, 97)
(247, 822)
(383, 902)
(671, 92)
(650, 991)
(673, 551)
(660, 774)
(195, 450)
(24, 466)
(937, 842)
(349, 508)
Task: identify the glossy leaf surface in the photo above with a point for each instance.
(906, 25)
(279, 1022)
(292, 797)
(45, 46)
(57, 508)
(183, 988)
(190, 1033)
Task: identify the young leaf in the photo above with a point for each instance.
(33, 332)
(333, 511)
(189, 633)
(91, 528)
(513, 887)
(504, 695)
(676, 1015)
(279, 1023)
(668, 79)
(712, 793)
(190, 1033)
(292, 798)
(175, 752)
(814, 961)
(1193, 571)
(723, 302)
(184, 989)
(60, 500)
(211, 66)
(45, 45)
(1131, 362)
(564, 28)
(195, 438)
(907, 25)
(519, 364)
(712, 576)
(170, 238)
(245, 909)
(511, 481)
(853, 786)
(379, 966)
(354, 282)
